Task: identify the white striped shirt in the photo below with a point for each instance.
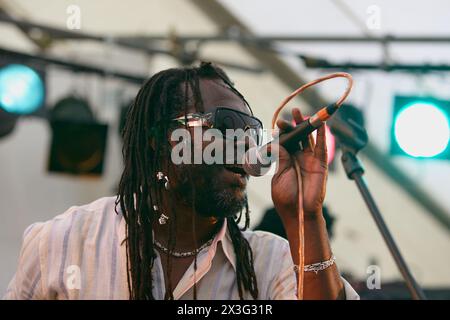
(80, 254)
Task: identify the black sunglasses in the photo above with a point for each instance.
(225, 119)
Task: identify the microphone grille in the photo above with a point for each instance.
(253, 164)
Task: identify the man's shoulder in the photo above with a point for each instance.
(94, 210)
(98, 205)
(83, 219)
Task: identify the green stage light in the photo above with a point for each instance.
(421, 127)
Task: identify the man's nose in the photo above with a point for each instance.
(239, 146)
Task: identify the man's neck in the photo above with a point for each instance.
(187, 236)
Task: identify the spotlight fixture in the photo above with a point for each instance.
(420, 127)
(7, 122)
(78, 142)
(22, 89)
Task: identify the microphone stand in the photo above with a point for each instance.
(352, 138)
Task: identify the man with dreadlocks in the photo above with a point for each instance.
(172, 231)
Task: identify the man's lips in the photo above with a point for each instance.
(236, 169)
(237, 174)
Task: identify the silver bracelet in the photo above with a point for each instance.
(316, 267)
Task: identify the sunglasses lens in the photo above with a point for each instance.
(235, 120)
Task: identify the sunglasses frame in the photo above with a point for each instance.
(208, 119)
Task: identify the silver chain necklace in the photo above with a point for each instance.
(184, 254)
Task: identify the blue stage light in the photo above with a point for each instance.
(22, 90)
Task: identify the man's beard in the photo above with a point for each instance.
(201, 187)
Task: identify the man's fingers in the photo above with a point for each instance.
(312, 143)
(284, 125)
(284, 158)
(320, 149)
(297, 115)
(308, 144)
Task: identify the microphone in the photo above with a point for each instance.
(257, 160)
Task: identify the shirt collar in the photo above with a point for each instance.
(223, 237)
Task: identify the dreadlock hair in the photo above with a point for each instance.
(160, 99)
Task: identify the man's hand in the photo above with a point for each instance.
(313, 166)
(290, 201)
